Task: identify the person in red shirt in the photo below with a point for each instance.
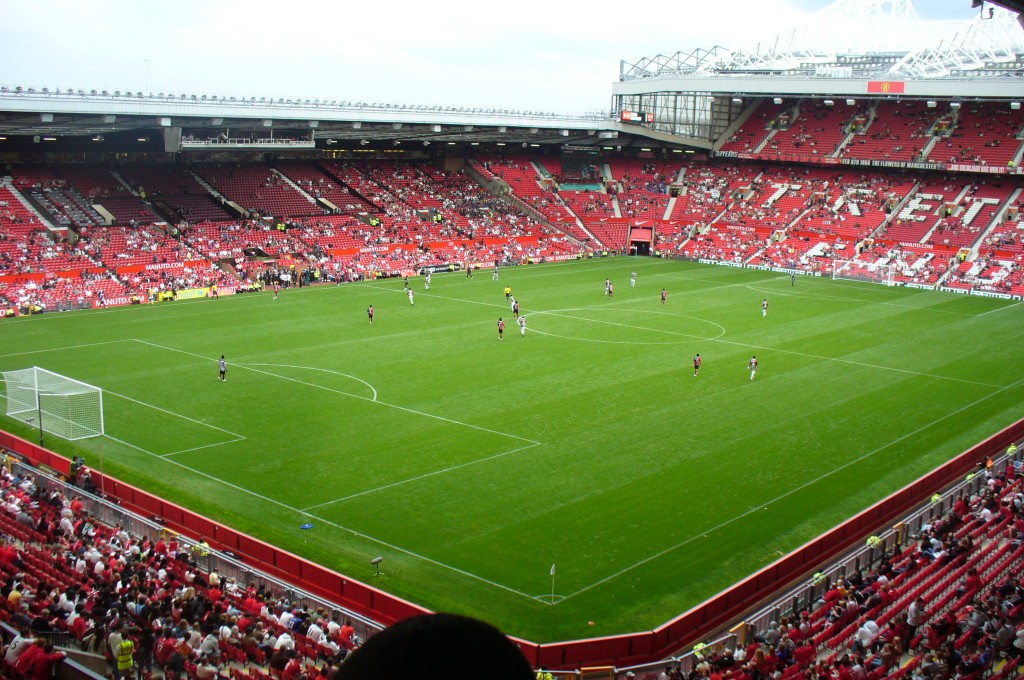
(80, 626)
(501, 329)
(293, 669)
(22, 665)
(972, 584)
(347, 633)
(805, 654)
(41, 665)
(9, 555)
(165, 647)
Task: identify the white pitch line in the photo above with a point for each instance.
(731, 342)
(634, 343)
(792, 491)
(999, 309)
(784, 351)
(817, 281)
(560, 313)
(842, 298)
(419, 477)
(859, 363)
(172, 413)
(204, 446)
(323, 370)
(340, 527)
(60, 349)
(347, 394)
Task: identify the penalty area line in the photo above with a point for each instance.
(235, 435)
(869, 454)
(347, 394)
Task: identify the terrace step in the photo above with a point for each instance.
(7, 182)
(764, 142)
(842, 145)
(994, 224)
(669, 208)
(928, 147)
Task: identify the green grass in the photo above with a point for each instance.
(473, 465)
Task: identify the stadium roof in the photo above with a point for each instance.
(52, 112)
(865, 39)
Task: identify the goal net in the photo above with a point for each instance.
(856, 270)
(59, 405)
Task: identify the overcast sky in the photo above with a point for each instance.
(546, 55)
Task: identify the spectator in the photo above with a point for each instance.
(437, 646)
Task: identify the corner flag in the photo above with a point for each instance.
(552, 570)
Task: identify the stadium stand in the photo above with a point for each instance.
(643, 187)
(764, 119)
(817, 130)
(982, 134)
(972, 216)
(1007, 237)
(175, 189)
(260, 189)
(393, 218)
(71, 578)
(899, 131)
(922, 213)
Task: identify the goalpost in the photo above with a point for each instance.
(856, 270)
(62, 406)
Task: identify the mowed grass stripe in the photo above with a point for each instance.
(637, 455)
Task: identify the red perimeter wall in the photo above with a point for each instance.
(622, 650)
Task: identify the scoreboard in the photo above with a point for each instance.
(640, 117)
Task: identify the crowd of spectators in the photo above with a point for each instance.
(948, 603)
(147, 605)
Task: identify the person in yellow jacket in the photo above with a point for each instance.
(125, 656)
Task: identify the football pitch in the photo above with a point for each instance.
(472, 465)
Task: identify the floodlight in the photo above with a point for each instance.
(954, 105)
(931, 104)
(1015, 106)
(829, 102)
(851, 102)
(777, 101)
